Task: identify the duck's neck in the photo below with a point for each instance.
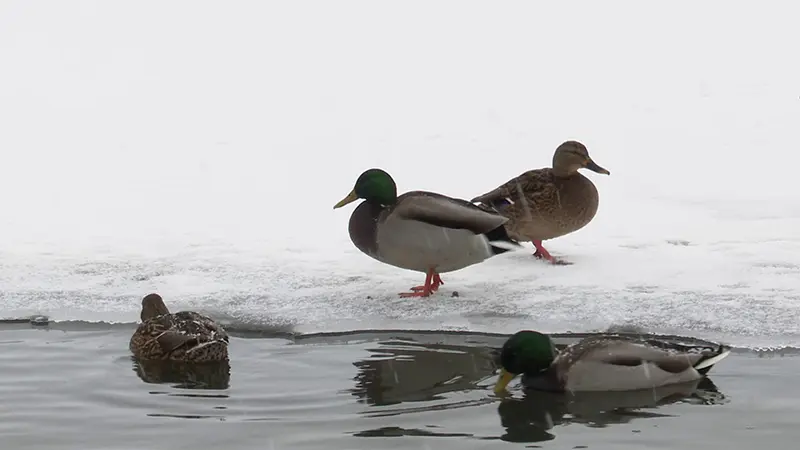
(153, 310)
(562, 172)
(382, 201)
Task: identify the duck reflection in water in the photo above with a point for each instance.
(210, 375)
(401, 372)
(533, 417)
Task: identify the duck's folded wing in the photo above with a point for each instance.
(530, 184)
(633, 354)
(204, 325)
(171, 340)
(447, 212)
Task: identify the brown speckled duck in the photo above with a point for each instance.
(547, 203)
(421, 231)
(182, 336)
(603, 363)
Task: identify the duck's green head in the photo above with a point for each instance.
(527, 352)
(374, 186)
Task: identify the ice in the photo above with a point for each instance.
(197, 149)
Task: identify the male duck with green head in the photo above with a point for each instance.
(602, 363)
(422, 231)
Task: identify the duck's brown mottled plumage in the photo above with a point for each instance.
(547, 203)
(182, 336)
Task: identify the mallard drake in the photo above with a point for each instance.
(421, 231)
(182, 336)
(602, 363)
(547, 203)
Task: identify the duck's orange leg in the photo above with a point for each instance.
(436, 281)
(542, 253)
(432, 283)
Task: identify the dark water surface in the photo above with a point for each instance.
(79, 389)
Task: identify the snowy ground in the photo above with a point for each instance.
(197, 149)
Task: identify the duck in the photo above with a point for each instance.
(183, 336)
(421, 231)
(604, 362)
(547, 203)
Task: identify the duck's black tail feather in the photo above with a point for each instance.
(705, 364)
(500, 234)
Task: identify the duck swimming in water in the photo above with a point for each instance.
(602, 363)
(182, 336)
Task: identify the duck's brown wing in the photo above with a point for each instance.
(218, 331)
(171, 340)
(526, 187)
(199, 325)
(156, 338)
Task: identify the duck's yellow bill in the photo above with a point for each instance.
(502, 382)
(351, 197)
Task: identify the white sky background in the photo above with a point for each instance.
(144, 126)
(164, 115)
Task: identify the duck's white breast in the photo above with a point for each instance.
(416, 245)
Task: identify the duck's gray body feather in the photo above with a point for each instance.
(616, 363)
(425, 230)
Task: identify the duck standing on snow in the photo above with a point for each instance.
(421, 231)
(547, 203)
(182, 336)
(602, 363)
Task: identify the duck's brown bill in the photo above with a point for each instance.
(502, 382)
(591, 165)
(351, 197)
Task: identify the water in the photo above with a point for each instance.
(202, 161)
(75, 386)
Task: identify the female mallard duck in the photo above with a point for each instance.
(547, 203)
(183, 336)
(602, 363)
(421, 231)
